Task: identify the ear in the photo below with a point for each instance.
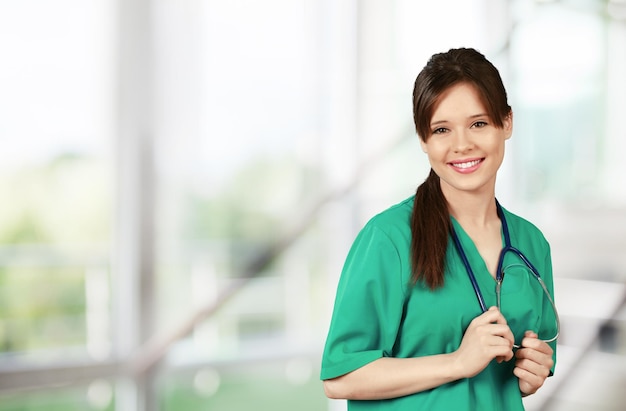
(507, 125)
(424, 147)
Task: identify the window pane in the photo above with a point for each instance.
(55, 167)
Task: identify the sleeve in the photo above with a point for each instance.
(368, 305)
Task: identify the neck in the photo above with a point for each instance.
(470, 209)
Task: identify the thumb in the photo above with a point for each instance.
(531, 334)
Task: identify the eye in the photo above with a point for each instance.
(479, 124)
(439, 130)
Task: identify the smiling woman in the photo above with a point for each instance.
(159, 154)
(401, 274)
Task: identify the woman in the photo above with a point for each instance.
(408, 331)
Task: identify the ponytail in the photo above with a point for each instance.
(430, 226)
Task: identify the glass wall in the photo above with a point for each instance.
(183, 179)
(56, 179)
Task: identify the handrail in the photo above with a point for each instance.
(25, 377)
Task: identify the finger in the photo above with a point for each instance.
(494, 334)
(534, 362)
(530, 334)
(529, 383)
(501, 347)
(540, 367)
(506, 357)
(492, 315)
(503, 353)
(503, 331)
(529, 357)
(537, 344)
(531, 342)
(536, 369)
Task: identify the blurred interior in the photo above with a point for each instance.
(182, 180)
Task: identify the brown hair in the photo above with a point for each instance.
(430, 220)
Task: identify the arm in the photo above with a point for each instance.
(394, 377)
(487, 337)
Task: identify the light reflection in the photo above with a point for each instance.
(207, 382)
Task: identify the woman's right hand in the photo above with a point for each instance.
(487, 337)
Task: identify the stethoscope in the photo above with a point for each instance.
(500, 271)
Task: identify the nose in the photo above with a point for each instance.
(462, 141)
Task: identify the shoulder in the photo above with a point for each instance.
(380, 251)
(387, 233)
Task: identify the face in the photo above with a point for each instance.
(464, 147)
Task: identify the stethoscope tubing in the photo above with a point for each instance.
(507, 247)
(470, 272)
(500, 272)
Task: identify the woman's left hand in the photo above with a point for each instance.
(533, 361)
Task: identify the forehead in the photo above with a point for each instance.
(458, 101)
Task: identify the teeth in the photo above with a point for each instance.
(467, 164)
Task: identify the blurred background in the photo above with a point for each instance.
(181, 181)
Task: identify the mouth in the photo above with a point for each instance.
(466, 164)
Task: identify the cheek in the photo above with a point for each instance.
(432, 155)
(434, 148)
(496, 145)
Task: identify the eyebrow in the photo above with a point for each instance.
(436, 123)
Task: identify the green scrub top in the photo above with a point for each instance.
(378, 313)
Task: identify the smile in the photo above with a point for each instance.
(466, 164)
